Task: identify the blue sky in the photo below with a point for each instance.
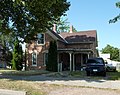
(95, 15)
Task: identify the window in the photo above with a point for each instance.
(34, 59)
(45, 58)
(41, 39)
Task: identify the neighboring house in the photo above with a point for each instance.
(106, 57)
(74, 48)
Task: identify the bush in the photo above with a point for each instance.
(17, 56)
(52, 57)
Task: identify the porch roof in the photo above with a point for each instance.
(75, 50)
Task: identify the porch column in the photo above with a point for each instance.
(70, 61)
(88, 55)
(81, 59)
(73, 62)
(58, 62)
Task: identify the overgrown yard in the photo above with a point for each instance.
(31, 88)
(36, 88)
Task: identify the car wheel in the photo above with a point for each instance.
(88, 73)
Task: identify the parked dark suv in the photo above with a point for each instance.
(95, 66)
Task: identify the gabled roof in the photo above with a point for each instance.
(89, 36)
(81, 36)
(56, 36)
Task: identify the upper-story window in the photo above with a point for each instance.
(41, 38)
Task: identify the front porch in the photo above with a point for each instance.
(72, 60)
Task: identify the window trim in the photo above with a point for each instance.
(36, 59)
(43, 39)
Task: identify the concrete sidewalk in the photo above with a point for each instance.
(11, 92)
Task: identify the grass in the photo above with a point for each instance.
(35, 88)
(23, 73)
(113, 75)
(32, 88)
(76, 74)
(110, 75)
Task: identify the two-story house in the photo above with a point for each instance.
(74, 48)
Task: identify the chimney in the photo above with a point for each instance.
(54, 27)
(71, 28)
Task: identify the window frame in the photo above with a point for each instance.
(35, 58)
(41, 39)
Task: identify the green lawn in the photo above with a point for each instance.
(23, 73)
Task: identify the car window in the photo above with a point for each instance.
(100, 61)
(96, 61)
(91, 61)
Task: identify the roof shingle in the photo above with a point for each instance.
(82, 36)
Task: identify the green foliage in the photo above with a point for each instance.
(26, 18)
(114, 52)
(7, 41)
(17, 56)
(7, 45)
(52, 57)
(73, 29)
(115, 19)
(62, 25)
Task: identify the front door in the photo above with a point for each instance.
(80, 60)
(77, 61)
(65, 60)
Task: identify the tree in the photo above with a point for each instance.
(7, 47)
(114, 52)
(25, 18)
(62, 25)
(52, 57)
(17, 56)
(74, 30)
(7, 41)
(115, 19)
